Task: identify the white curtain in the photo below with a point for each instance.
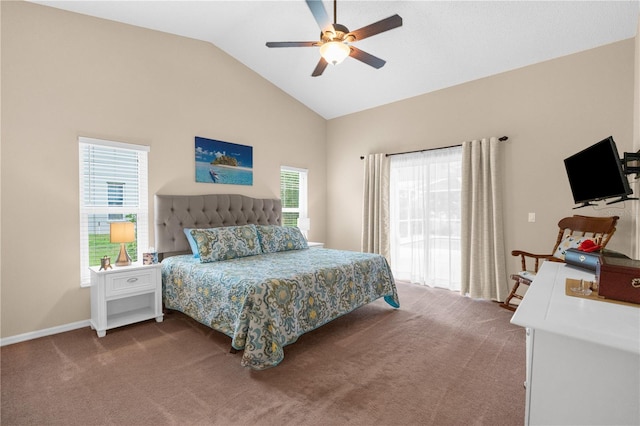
(483, 272)
(375, 211)
(425, 217)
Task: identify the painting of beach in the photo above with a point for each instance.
(223, 162)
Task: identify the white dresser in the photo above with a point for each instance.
(583, 356)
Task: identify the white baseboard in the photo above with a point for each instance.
(42, 333)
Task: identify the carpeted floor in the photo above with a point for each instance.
(441, 359)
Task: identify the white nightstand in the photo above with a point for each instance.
(125, 295)
(315, 245)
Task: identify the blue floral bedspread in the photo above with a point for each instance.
(266, 302)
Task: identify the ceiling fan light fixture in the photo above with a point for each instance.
(334, 52)
(335, 38)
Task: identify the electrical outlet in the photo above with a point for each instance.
(532, 217)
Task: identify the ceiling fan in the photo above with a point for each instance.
(335, 38)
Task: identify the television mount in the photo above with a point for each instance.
(631, 157)
(627, 169)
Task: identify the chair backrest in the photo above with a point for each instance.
(599, 228)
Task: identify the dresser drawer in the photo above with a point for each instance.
(130, 282)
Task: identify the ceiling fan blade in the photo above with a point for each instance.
(292, 43)
(367, 58)
(322, 64)
(386, 24)
(319, 13)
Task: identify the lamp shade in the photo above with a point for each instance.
(334, 52)
(304, 223)
(122, 232)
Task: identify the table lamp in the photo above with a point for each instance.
(304, 224)
(122, 232)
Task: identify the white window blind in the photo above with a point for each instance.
(113, 187)
(293, 194)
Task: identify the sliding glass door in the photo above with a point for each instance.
(425, 217)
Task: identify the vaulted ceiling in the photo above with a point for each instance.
(439, 45)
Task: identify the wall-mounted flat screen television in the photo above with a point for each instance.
(595, 173)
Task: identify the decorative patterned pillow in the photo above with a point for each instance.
(215, 244)
(274, 238)
(568, 243)
(192, 242)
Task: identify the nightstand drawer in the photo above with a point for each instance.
(126, 283)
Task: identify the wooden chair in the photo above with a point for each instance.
(573, 230)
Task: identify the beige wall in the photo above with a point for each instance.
(549, 111)
(65, 75)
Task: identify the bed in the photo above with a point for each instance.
(244, 275)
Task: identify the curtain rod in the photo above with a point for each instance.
(501, 139)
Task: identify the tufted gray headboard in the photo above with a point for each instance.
(175, 212)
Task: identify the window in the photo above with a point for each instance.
(425, 217)
(113, 187)
(115, 196)
(293, 193)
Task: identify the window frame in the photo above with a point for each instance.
(303, 196)
(140, 209)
